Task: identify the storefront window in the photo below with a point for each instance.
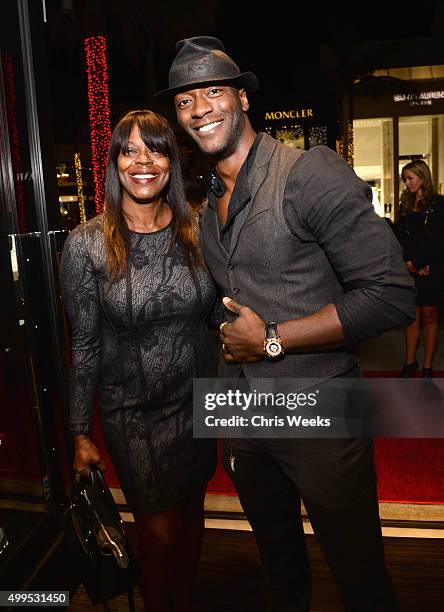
(299, 135)
(421, 137)
(373, 157)
(293, 136)
(317, 135)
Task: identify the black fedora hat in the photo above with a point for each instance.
(202, 60)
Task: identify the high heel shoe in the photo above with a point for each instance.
(427, 372)
(409, 369)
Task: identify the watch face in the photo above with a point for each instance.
(273, 348)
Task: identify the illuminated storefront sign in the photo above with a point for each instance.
(424, 98)
(302, 113)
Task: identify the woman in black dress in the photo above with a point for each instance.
(420, 230)
(138, 298)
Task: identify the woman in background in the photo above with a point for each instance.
(420, 230)
(138, 298)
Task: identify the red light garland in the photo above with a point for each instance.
(14, 139)
(99, 121)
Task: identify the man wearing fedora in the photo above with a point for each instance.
(308, 271)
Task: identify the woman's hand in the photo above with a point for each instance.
(86, 454)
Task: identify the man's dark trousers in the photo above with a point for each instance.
(335, 478)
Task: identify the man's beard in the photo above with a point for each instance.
(232, 138)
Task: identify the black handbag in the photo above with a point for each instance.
(95, 532)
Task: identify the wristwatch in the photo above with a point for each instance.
(273, 346)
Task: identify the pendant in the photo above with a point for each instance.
(232, 460)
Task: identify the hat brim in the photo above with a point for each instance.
(246, 80)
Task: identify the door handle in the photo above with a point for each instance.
(3, 541)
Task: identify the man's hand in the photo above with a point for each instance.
(410, 267)
(85, 454)
(244, 338)
(424, 271)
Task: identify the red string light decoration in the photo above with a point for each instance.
(14, 139)
(99, 115)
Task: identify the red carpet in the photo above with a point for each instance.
(409, 470)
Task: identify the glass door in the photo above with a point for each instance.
(34, 466)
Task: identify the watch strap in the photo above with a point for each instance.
(271, 330)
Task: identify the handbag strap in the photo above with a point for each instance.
(89, 491)
(97, 487)
(131, 605)
(80, 491)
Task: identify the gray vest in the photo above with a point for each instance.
(273, 271)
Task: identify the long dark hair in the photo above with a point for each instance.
(408, 199)
(157, 135)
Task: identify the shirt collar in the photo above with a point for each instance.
(217, 186)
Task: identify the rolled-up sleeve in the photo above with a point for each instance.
(325, 201)
(81, 300)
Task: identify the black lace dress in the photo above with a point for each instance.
(140, 341)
